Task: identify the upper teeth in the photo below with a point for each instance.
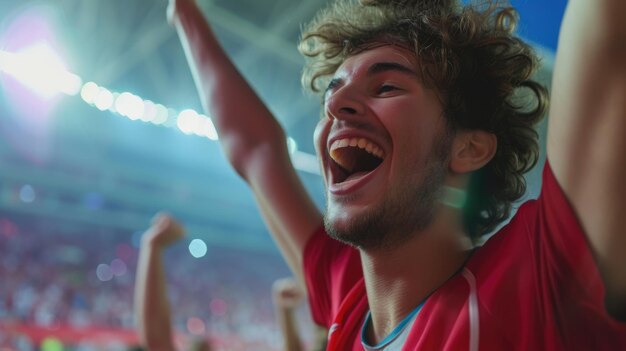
(361, 143)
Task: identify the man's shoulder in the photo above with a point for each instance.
(505, 261)
(510, 240)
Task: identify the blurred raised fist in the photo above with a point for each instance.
(287, 293)
(164, 230)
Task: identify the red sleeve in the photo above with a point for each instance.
(563, 243)
(330, 269)
(570, 284)
(538, 282)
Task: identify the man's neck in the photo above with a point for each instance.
(398, 280)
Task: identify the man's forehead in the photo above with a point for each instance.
(364, 60)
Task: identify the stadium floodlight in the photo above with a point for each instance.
(40, 69)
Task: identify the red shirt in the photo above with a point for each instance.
(532, 286)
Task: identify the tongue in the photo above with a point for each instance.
(356, 175)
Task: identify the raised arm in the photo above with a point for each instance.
(152, 309)
(287, 297)
(252, 139)
(587, 132)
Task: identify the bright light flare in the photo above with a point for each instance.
(453, 197)
(40, 69)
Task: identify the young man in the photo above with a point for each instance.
(419, 108)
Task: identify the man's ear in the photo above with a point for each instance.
(471, 150)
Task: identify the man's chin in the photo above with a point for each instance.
(358, 231)
(340, 229)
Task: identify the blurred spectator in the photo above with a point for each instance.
(62, 284)
(152, 308)
(288, 296)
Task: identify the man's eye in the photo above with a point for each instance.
(386, 88)
(332, 85)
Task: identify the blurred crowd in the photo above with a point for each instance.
(77, 291)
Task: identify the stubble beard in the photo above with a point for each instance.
(408, 210)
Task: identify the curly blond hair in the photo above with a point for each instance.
(471, 57)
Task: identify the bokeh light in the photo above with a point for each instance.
(149, 112)
(51, 344)
(186, 121)
(118, 267)
(135, 107)
(104, 99)
(93, 200)
(207, 129)
(8, 228)
(197, 248)
(161, 114)
(104, 272)
(196, 326)
(89, 91)
(124, 251)
(218, 307)
(27, 193)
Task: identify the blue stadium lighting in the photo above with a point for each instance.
(135, 108)
(57, 79)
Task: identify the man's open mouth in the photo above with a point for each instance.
(353, 157)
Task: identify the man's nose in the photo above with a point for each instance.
(345, 103)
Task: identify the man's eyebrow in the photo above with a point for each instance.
(391, 66)
(376, 68)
